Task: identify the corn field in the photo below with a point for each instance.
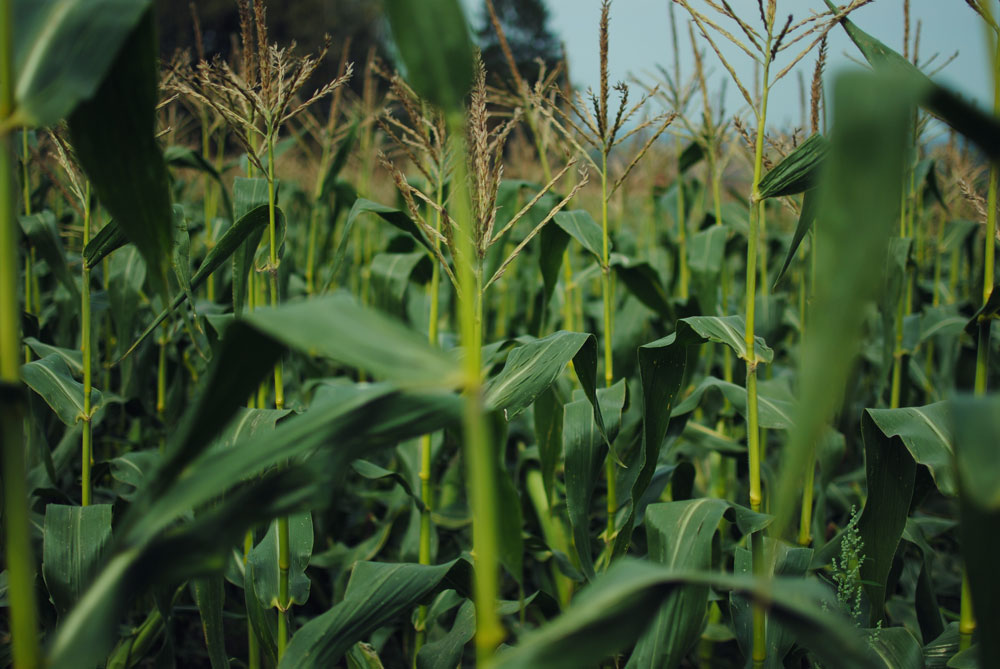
(431, 366)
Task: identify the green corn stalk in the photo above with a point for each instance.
(20, 562)
(87, 455)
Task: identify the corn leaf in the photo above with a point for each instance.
(376, 594)
(977, 427)
(615, 610)
(62, 49)
(442, 75)
(798, 171)
(114, 136)
(75, 540)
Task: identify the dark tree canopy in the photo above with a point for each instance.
(526, 25)
(304, 21)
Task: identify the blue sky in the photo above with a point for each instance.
(640, 39)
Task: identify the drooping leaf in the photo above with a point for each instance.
(643, 282)
(338, 328)
(109, 238)
(775, 404)
(582, 227)
(114, 136)
(62, 51)
(927, 434)
(798, 171)
(615, 610)
(807, 217)
(51, 378)
(376, 594)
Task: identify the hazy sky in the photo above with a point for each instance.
(640, 39)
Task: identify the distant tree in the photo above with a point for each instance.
(526, 25)
(304, 21)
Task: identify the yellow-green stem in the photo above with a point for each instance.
(424, 556)
(28, 257)
(253, 645)
(87, 457)
(479, 455)
(805, 522)
(681, 227)
(22, 607)
(610, 467)
(753, 426)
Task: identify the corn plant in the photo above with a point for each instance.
(424, 393)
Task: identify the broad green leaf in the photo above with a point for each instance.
(336, 327)
(125, 293)
(210, 596)
(114, 136)
(532, 367)
(582, 227)
(62, 49)
(890, 473)
(662, 365)
(72, 357)
(798, 171)
(248, 195)
(807, 216)
(927, 434)
(552, 243)
(585, 453)
(52, 379)
(442, 75)
(679, 536)
(376, 594)
(615, 610)
(859, 198)
(728, 330)
(976, 422)
(265, 560)
(43, 235)
(775, 404)
(75, 541)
